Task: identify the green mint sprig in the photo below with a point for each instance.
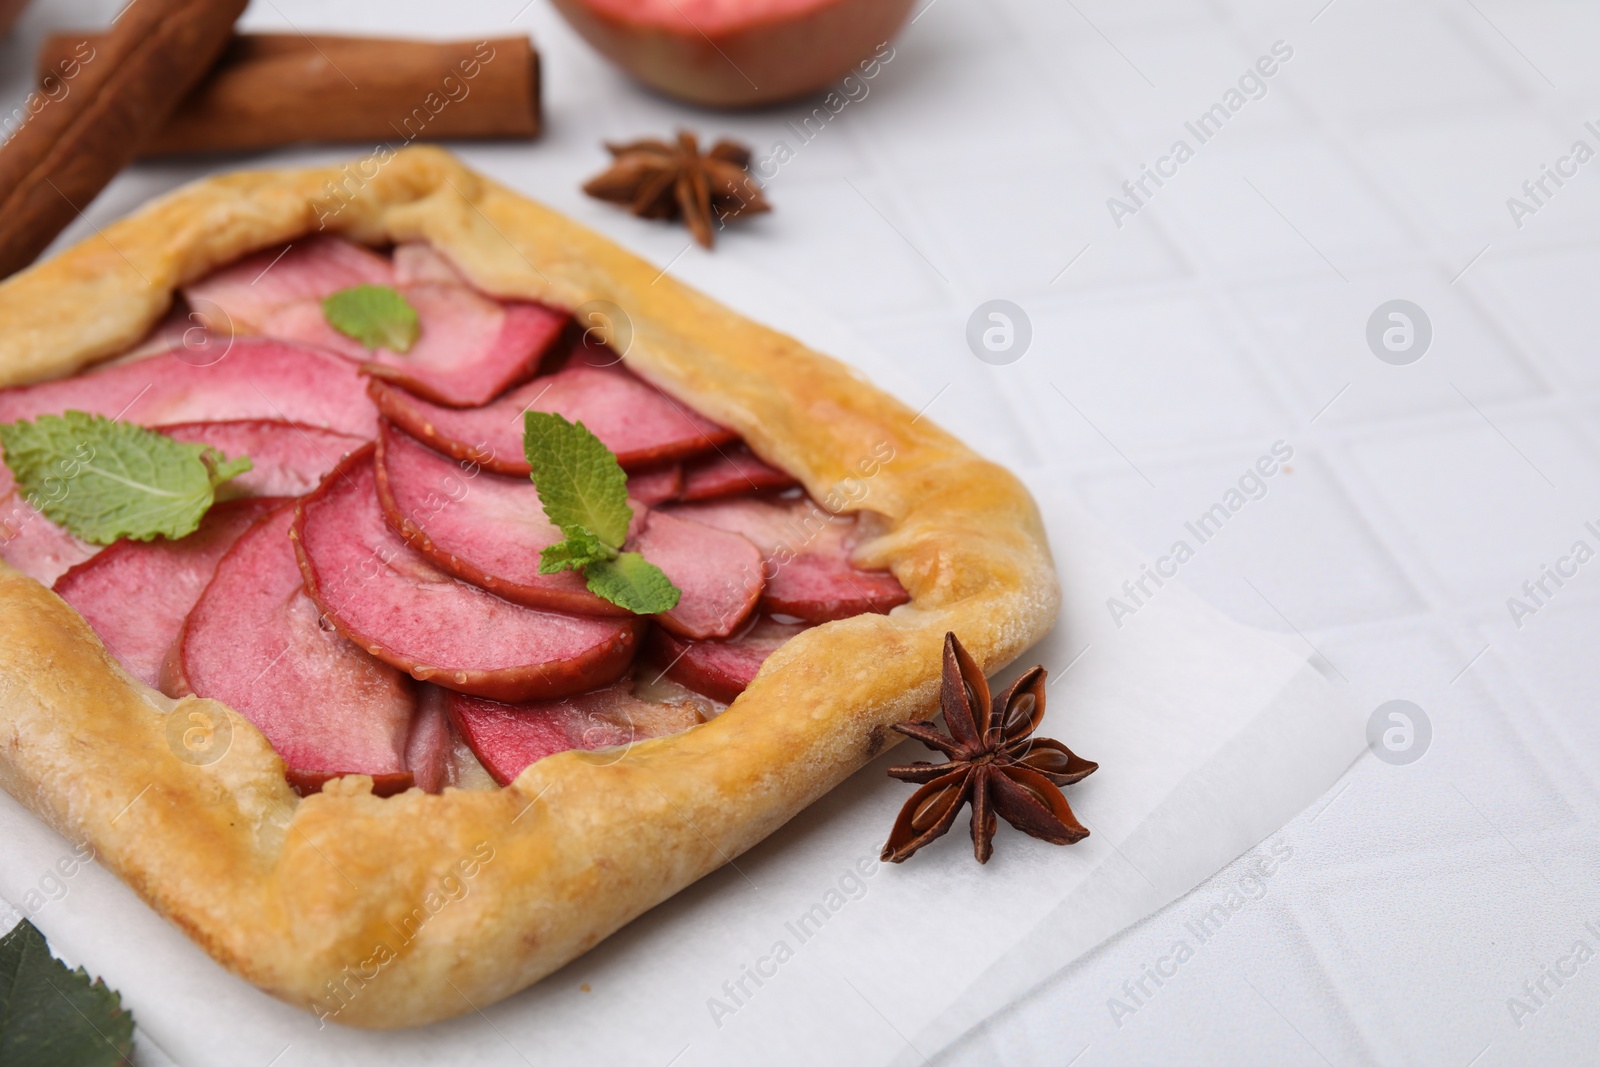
(375, 315)
(104, 480)
(585, 493)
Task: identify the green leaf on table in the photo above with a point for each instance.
(633, 582)
(51, 1016)
(376, 315)
(580, 482)
(104, 480)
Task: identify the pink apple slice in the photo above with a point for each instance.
(136, 594)
(250, 290)
(731, 471)
(257, 643)
(256, 379)
(471, 347)
(32, 543)
(636, 421)
(718, 573)
(484, 528)
(821, 586)
(489, 530)
(428, 748)
(656, 485)
(508, 738)
(391, 601)
(469, 351)
(720, 669)
(807, 552)
(287, 459)
(417, 262)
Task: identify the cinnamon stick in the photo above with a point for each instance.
(10, 11)
(69, 140)
(275, 89)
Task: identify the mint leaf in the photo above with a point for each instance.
(580, 549)
(222, 468)
(585, 492)
(633, 582)
(375, 315)
(104, 479)
(54, 1017)
(580, 482)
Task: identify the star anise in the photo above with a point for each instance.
(994, 761)
(655, 179)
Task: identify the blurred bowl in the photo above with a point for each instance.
(736, 53)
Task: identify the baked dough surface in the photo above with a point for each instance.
(400, 911)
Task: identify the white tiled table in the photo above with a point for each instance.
(1229, 313)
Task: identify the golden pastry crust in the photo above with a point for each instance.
(399, 911)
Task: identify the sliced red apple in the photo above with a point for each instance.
(32, 543)
(249, 291)
(484, 528)
(429, 748)
(136, 594)
(642, 425)
(720, 669)
(656, 485)
(489, 529)
(286, 458)
(257, 643)
(508, 738)
(256, 379)
(807, 557)
(730, 472)
(417, 261)
(480, 348)
(821, 586)
(471, 348)
(181, 327)
(469, 351)
(717, 571)
(391, 601)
